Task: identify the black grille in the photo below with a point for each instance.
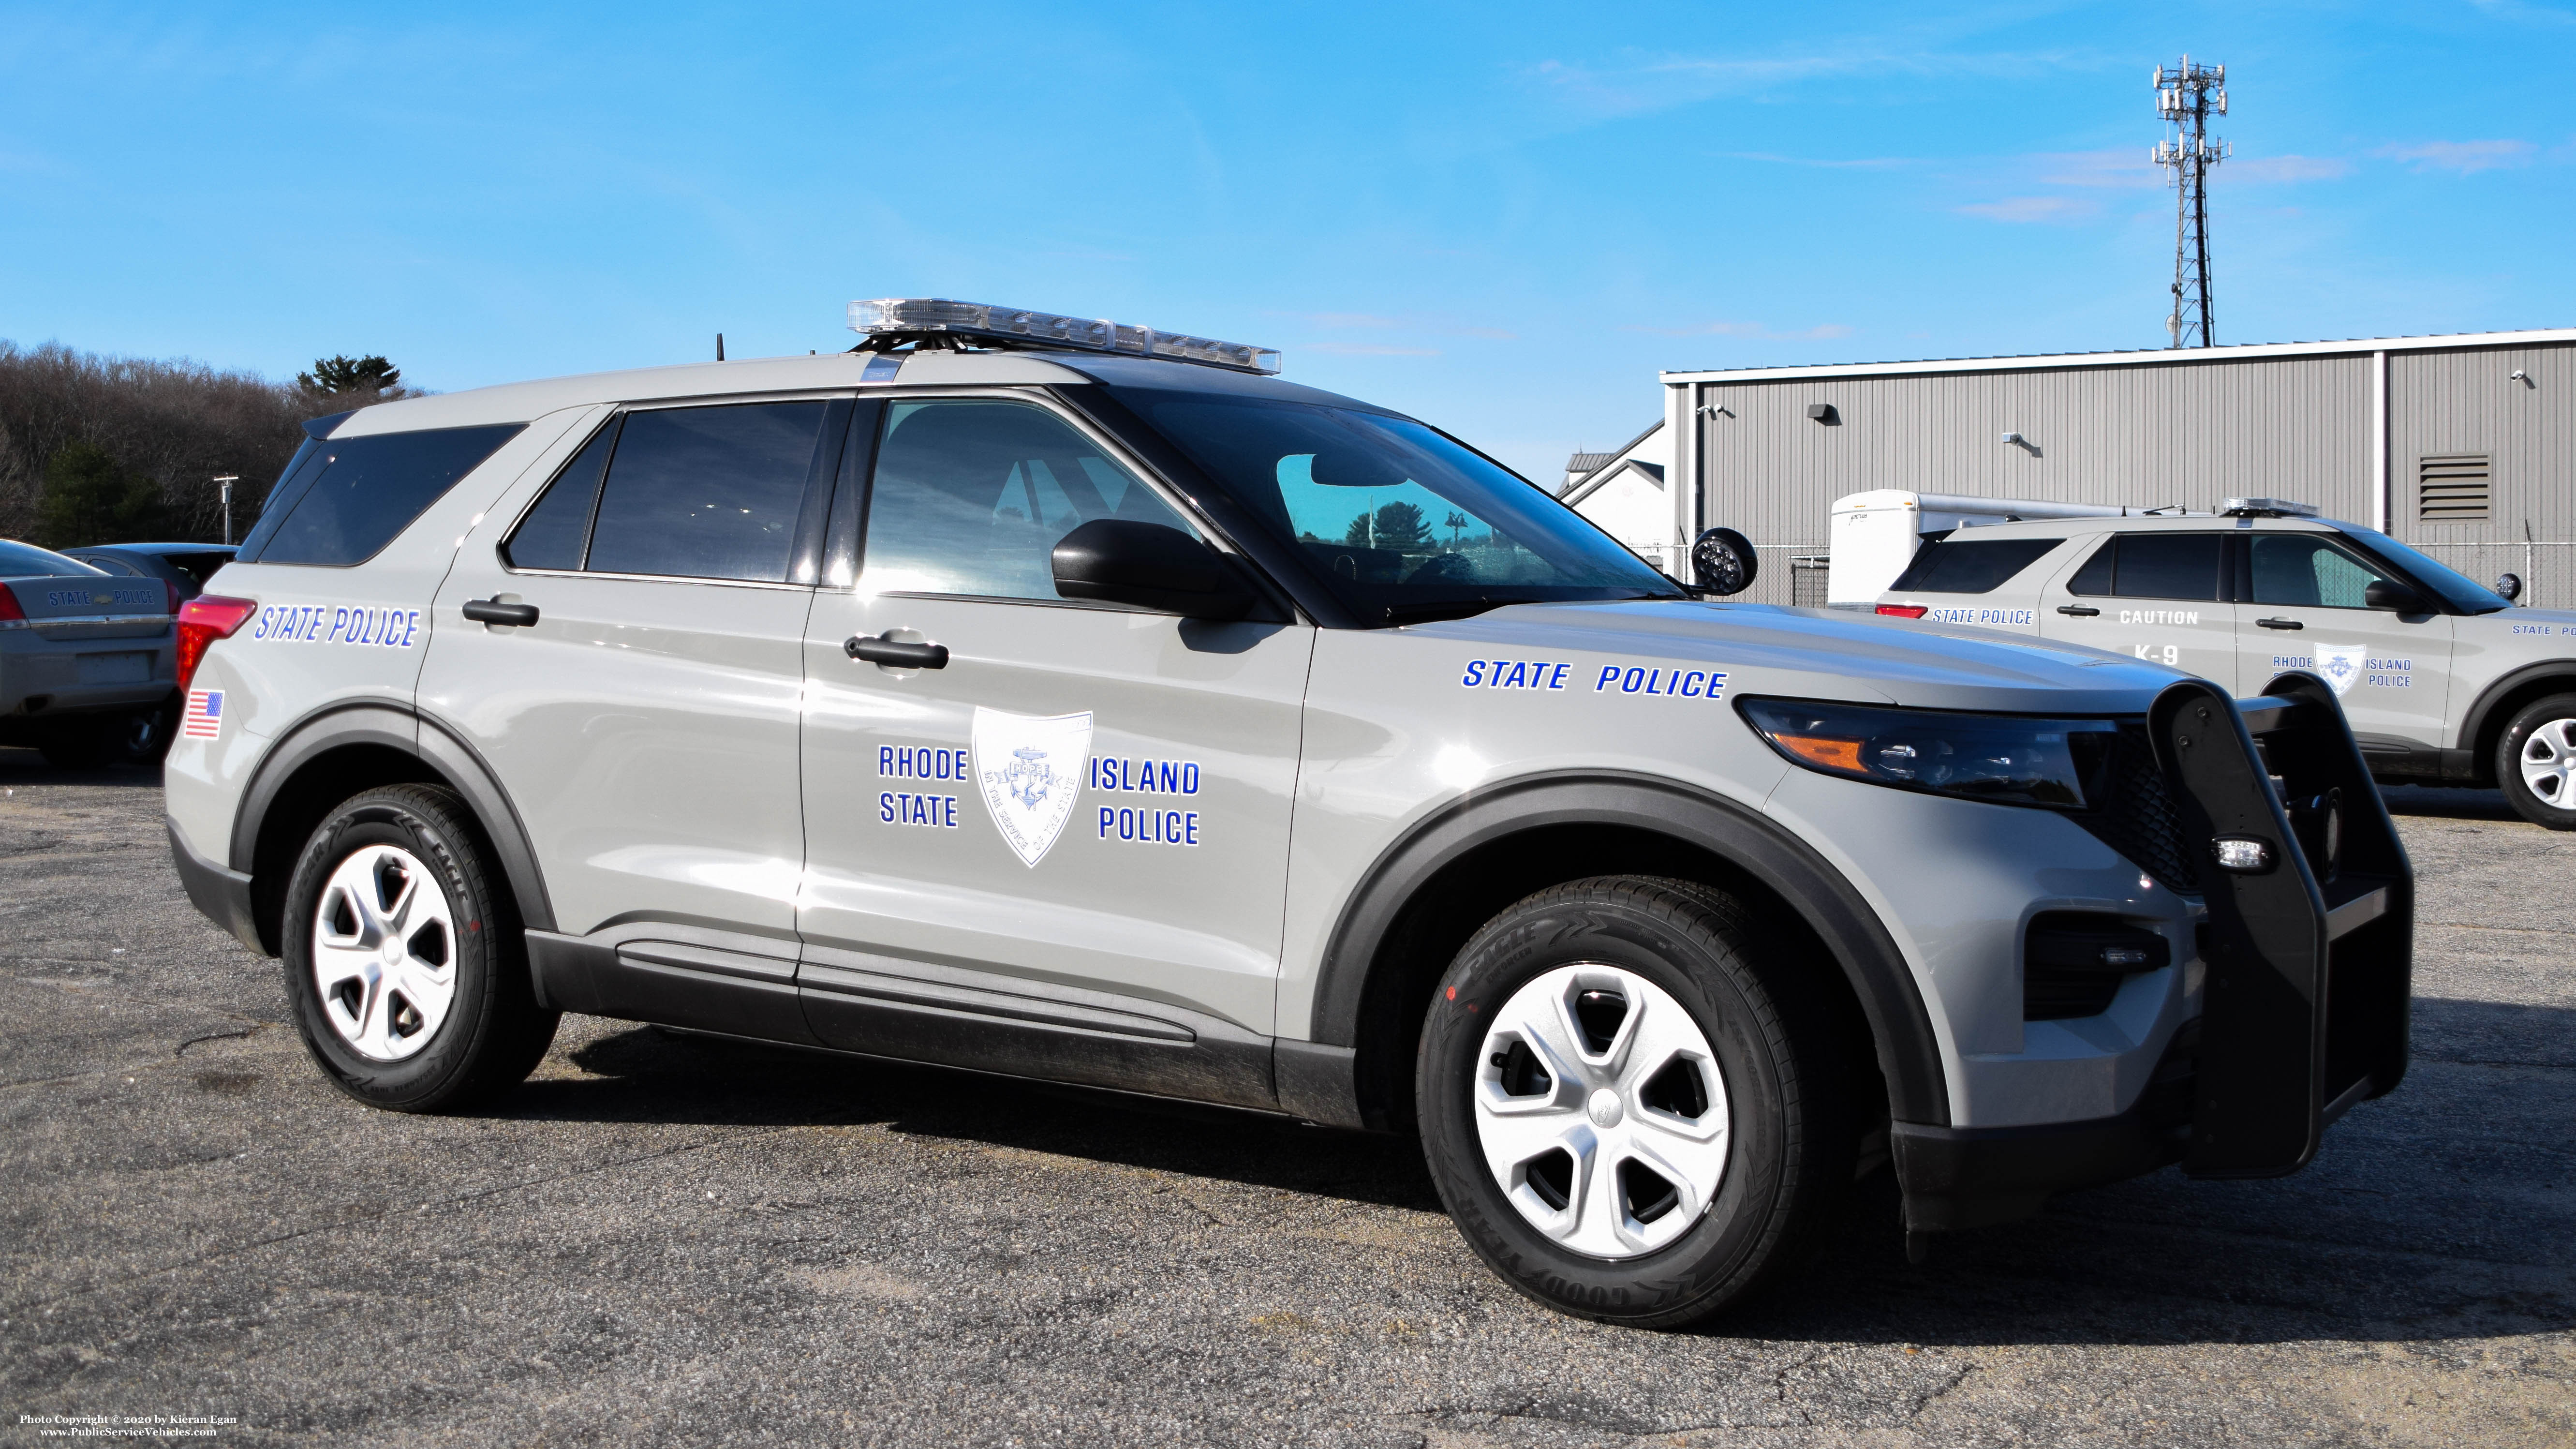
(2135, 812)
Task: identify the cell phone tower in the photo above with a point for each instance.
(2185, 96)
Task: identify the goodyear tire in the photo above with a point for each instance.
(2535, 762)
(1636, 1105)
(403, 956)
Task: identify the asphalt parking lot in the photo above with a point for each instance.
(667, 1239)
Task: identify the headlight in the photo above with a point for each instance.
(2008, 759)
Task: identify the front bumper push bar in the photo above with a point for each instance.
(2304, 1008)
(2310, 957)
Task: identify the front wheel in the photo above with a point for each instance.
(1635, 1105)
(2535, 762)
(403, 957)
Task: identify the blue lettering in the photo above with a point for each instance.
(1519, 678)
(1716, 682)
(1190, 828)
(1189, 779)
(1475, 674)
(885, 807)
(411, 627)
(1609, 672)
(1632, 681)
(1692, 681)
(1108, 818)
(1556, 679)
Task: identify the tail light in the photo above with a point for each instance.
(203, 620)
(1902, 611)
(173, 591)
(10, 613)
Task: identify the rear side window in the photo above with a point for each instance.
(1950, 566)
(110, 564)
(366, 490)
(703, 493)
(2152, 566)
(197, 566)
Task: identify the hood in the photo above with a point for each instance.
(1842, 655)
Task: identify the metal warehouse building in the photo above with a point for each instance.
(2462, 445)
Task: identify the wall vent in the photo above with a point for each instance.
(2452, 488)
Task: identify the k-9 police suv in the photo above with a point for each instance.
(1079, 702)
(2443, 680)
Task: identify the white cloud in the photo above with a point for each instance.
(2464, 157)
(2058, 210)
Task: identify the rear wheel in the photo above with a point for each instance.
(2535, 762)
(1634, 1103)
(403, 956)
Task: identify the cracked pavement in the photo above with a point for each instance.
(671, 1239)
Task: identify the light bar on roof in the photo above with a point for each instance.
(1010, 324)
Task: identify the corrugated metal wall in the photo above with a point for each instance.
(2188, 433)
(2449, 403)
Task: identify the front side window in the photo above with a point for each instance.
(2456, 589)
(2308, 569)
(1399, 521)
(971, 497)
(2152, 566)
(356, 494)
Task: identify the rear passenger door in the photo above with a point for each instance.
(645, 723)
(2155, 595)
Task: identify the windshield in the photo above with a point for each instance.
(2457, 589)
(1400, 522)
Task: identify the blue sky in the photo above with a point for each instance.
(1504, 218)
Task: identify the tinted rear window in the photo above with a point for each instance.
(710, 493)
(1950, 566)
(22, 560)
(367, 490)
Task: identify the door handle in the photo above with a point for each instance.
(2081, 611)
(2280, 623)
(896, 653)
(493, 611)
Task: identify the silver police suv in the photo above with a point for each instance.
(1079, 702)
(2444, 681)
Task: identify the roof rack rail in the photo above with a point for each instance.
(889, 322)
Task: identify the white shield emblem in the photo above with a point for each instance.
(2341, 665)
(1030, 770)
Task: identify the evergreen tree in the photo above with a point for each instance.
(90, 498)
(1402, 526)
(337, 376)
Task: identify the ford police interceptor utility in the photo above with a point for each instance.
(2443, 680)
(1081, 702)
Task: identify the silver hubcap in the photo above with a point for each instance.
(1601, 1111)
(384, 953)
(2549, 763)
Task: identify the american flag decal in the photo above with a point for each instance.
(205, 714)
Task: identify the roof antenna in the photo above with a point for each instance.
(719, 347)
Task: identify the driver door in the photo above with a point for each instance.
(1079, 814)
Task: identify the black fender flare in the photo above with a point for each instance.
(2473, 725)
(1909, 1053)
(447, 756)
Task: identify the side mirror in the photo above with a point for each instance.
(1150, 565)
(1724, 561)
(2387, 594)
(2508, 587)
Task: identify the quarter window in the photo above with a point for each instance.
(971, 497)
(1949, 566)
(2152, 566)
(363, 491)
